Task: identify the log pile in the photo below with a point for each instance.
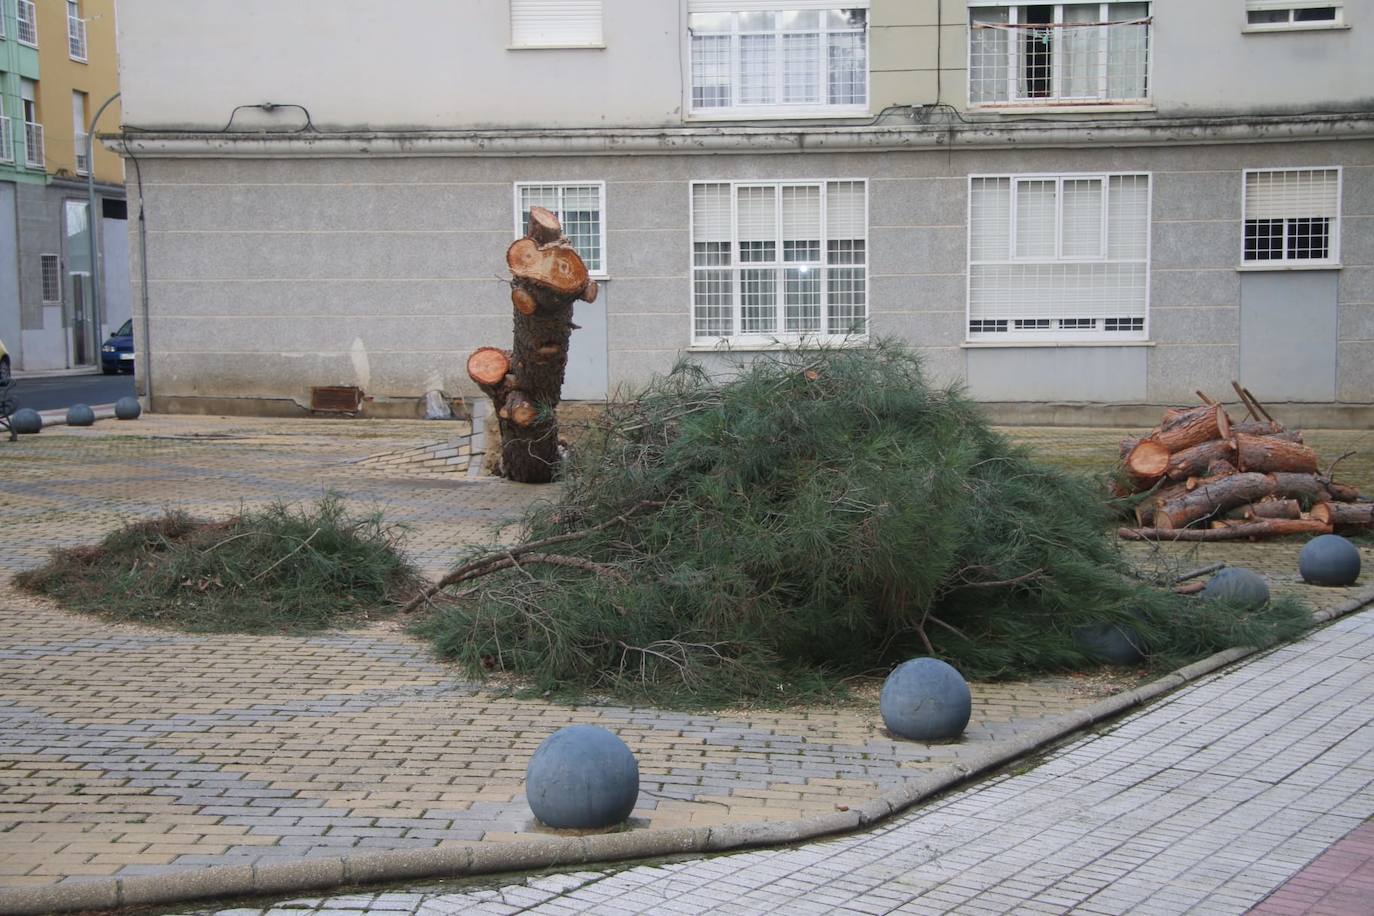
(1204, 478)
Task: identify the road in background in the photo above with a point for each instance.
(60, 391)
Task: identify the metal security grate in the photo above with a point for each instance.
(76, 32)
(28, 23)
(1292, 215)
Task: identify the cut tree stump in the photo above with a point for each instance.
(525, 383)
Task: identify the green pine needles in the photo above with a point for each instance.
(814, 515)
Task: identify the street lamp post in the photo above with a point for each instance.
(97, 303)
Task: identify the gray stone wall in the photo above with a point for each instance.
(269, 276)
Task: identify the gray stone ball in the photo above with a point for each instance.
(1112, 643)
(26, 420)
(1235, 583)
(128, 408)
(582, 777)
(924, 699)
(80, 415)
(1329, 559)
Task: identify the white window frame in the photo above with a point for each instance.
(600, 272)
(1292, 24)
(518, 43)
(1056, 99)
(43, 261)
(76, 32)
(1333, 258)
(1011, 337)
(737, 111)
(31, 21)
(780, 339)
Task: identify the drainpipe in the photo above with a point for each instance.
(97, 303)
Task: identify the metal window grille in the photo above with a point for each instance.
(1059, 53)
(779, 261)
(555, 23)
(50, 270)
(778, 59)
(1058, 256)
(1293, 14)
(28, 23)
(1292, 215)
(6, 140)
(83, 165)
(33, 145)
(579, 207)
(76, 32)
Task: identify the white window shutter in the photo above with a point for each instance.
(801, 213)
(845, 216)
(1294, 194)
(711, 213)
(758, 214)
(742, 6)
(1035, 218)
(555, 23)
(990, 219)
(1128, 217)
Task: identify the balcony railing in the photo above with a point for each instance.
(76, 38)
(33, 145)
(6, 140)
(1088, 63)
(28, 23)
(83, 165)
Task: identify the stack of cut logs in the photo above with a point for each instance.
(1207, 479)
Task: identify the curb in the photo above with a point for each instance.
(58, 417)
(465, 861)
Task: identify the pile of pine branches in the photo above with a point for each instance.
(811, 516)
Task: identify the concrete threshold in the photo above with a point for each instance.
(471, 860)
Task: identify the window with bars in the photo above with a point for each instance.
(27, 22)
(1292, 216)
(580, 208)
(76, 32)
(779, 261)
(1059, 53)
(1279, 15)
(50, 270)
(1058, 257)
(763, 61)
(555, 23)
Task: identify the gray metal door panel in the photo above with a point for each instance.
(1288, 326)
(588, 377)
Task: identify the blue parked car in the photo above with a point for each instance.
(117, 353)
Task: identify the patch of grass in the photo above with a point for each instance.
(274, 570)
(813, 516)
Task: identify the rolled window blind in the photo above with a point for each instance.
(535, 23)
(1292, 194)
(741, 6)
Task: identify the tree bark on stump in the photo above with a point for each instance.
(525, 383)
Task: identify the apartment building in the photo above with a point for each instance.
(57, 67)
(1075, 209)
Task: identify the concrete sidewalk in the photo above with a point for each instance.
(131, 756)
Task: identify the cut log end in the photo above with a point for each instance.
(555, 268)
(488, 365)
(589, 293)
(544, 226)
(1148, 460)
(520, 410)
(524, 303)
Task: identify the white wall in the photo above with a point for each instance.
(1206, 62)
(424, 64)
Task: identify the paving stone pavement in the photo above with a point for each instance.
(129, 751)
(1205, 802)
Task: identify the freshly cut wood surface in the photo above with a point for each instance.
(519, 409)
(544, 226)
(524, 301)
(553, 267)
(488, 365)
(1345, 515)
(1193, 427)
(1147, 462)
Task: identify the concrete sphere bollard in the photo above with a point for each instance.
(582, 777)
(128, 408)
(26, 420)
(80, 415)
(1110, 642)
(1329, 559)
(924, 699)
(1238, 584)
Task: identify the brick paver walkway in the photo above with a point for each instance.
(1203, 803)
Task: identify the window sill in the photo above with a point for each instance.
(1028, 344)
(1281, 266)
(580, 47)
(780, 114)
(26, 44)
(764, 346)
(1062, 108)
(1305, 27)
